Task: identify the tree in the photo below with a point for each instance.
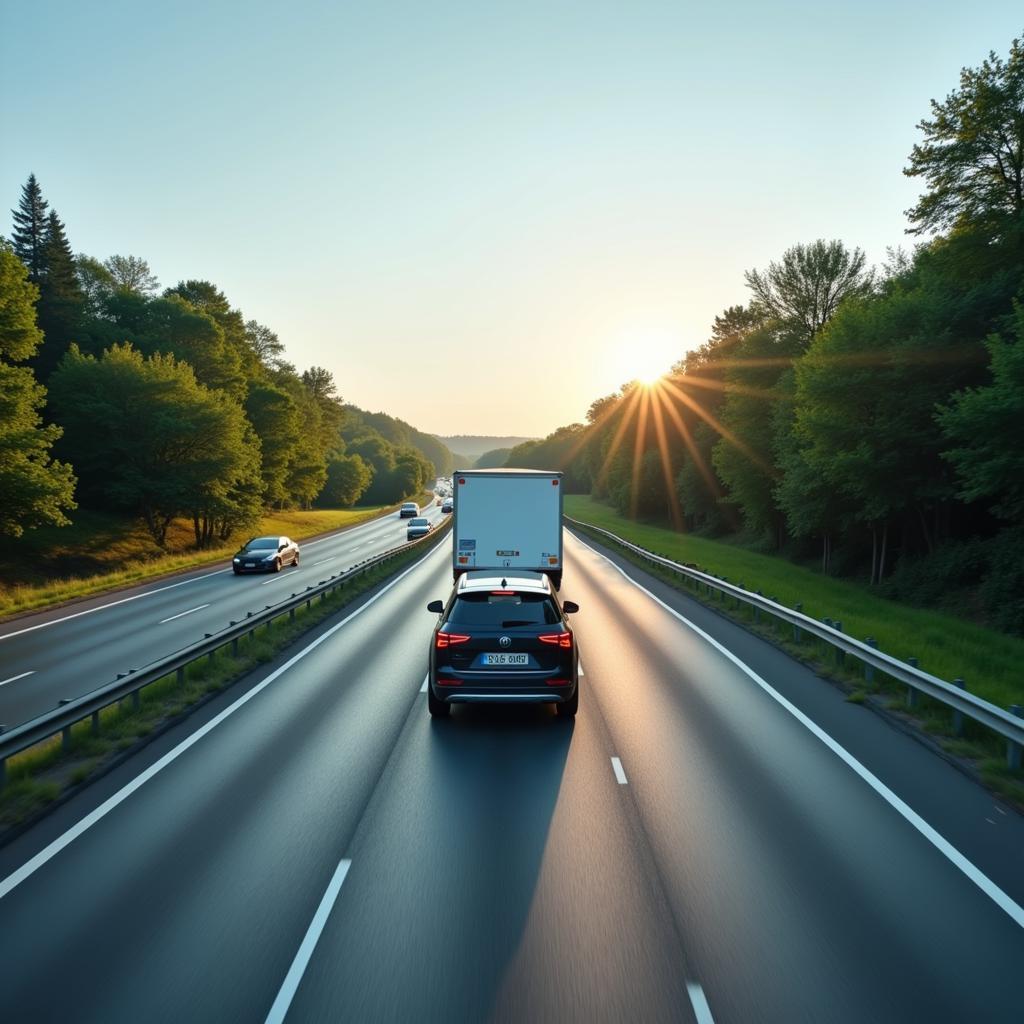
(972, 156)
(97, 285)
(985, 426)
(34, 489)
(29, 236)
(265, 344)
(132, 273)
(61, 300)
(147, 437)
(275, 416)
(806, 287)
(19, 335)
(348, 477)
(496, 457)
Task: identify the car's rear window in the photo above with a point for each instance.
(503, 611)
(418, 522)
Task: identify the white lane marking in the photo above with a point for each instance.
(620, 775)
(273, 579)
(160, 590)
(171, 618)
(110, 604)
(15, 878)
(950, 852)
(290, 985)
(14, 679)
(423, 688)
(579, 668)
(322, 560)
(701, 1010)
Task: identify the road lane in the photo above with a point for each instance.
(500, 870)
(73, 655)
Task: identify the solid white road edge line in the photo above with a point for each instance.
(171, 618)
(950, 852)
(579, 668)
(160, 590)
(423, 688)
(15, 878)
(290, 985)
(701, 1010)
(620, 774)
(14, 679)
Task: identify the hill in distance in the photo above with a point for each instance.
(473, 445)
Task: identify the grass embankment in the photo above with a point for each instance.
(100, 551)
(944, 645)
(39, 776)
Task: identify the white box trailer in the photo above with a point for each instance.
(508, 519)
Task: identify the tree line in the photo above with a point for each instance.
(168, 404)
(870, 418)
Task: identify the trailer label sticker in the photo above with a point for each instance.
(467, 545)
(507, 554)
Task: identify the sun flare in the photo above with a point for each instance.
(647, 355)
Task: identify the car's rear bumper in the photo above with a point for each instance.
(483, 687)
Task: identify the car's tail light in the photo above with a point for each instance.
(450, 639)
(556, 639)
(559, 682)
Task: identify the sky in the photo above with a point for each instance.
(479, 216)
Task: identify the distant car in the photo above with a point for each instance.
(503, 639)
(266, 554)
(447, 507)
(418, 528)
(409, 509)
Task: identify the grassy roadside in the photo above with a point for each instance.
(38, 777)
(943, 645)
(99, 552)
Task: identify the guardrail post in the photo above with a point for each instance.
(1013, 749)
(95, 722)
(742, 586)
(958, 716)
(797, 631)
(757, 611)
(3, 763)
(912, 694)
(234, 648)
(135, 700)
(840, 653)
(65, 733)
(869, 670)
(181, 676)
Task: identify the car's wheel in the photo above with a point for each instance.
(296, 562)
(277, 565)
(568, 708)
(237, 572)
(437, 708)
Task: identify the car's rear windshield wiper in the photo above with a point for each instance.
(516, 622)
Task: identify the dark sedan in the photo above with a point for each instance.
(503, 639)
(266, 554)
(447, 507)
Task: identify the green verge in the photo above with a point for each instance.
(37, 777)
(945, 646)
(100, 552)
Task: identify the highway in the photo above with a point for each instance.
(65, 652)
(719, 836)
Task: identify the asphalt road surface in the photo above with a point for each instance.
(718, 836)
(66, 652)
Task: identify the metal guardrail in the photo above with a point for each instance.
(130, 683)
(1007, 724)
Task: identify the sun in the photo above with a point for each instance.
(647, 354)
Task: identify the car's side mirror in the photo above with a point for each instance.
(569, 607)
(437, 607)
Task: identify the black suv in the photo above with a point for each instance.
(503, 639)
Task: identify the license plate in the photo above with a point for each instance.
(506, 659)
(250, 565)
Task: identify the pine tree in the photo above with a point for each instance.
(30, 222)
(60, 298)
